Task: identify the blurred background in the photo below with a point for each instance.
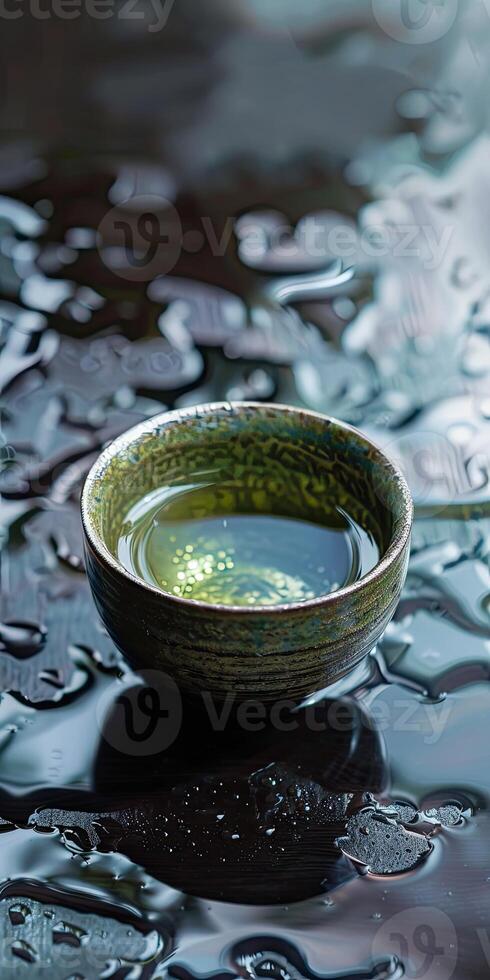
(208, 88)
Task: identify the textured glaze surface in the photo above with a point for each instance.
(267, 457)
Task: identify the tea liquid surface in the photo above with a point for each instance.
(239, 559)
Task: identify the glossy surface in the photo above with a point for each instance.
(110, 862)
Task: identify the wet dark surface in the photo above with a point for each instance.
(350, 841)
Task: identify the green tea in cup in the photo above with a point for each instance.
(182, 541)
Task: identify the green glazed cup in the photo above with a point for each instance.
(302, 463)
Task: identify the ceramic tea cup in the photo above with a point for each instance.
(271, 459)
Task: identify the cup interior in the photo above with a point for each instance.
(248, 459)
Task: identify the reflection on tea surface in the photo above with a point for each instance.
(239, 559)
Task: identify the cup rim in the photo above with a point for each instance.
(395, 548)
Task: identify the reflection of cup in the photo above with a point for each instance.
(242, 816)
(307, 467)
